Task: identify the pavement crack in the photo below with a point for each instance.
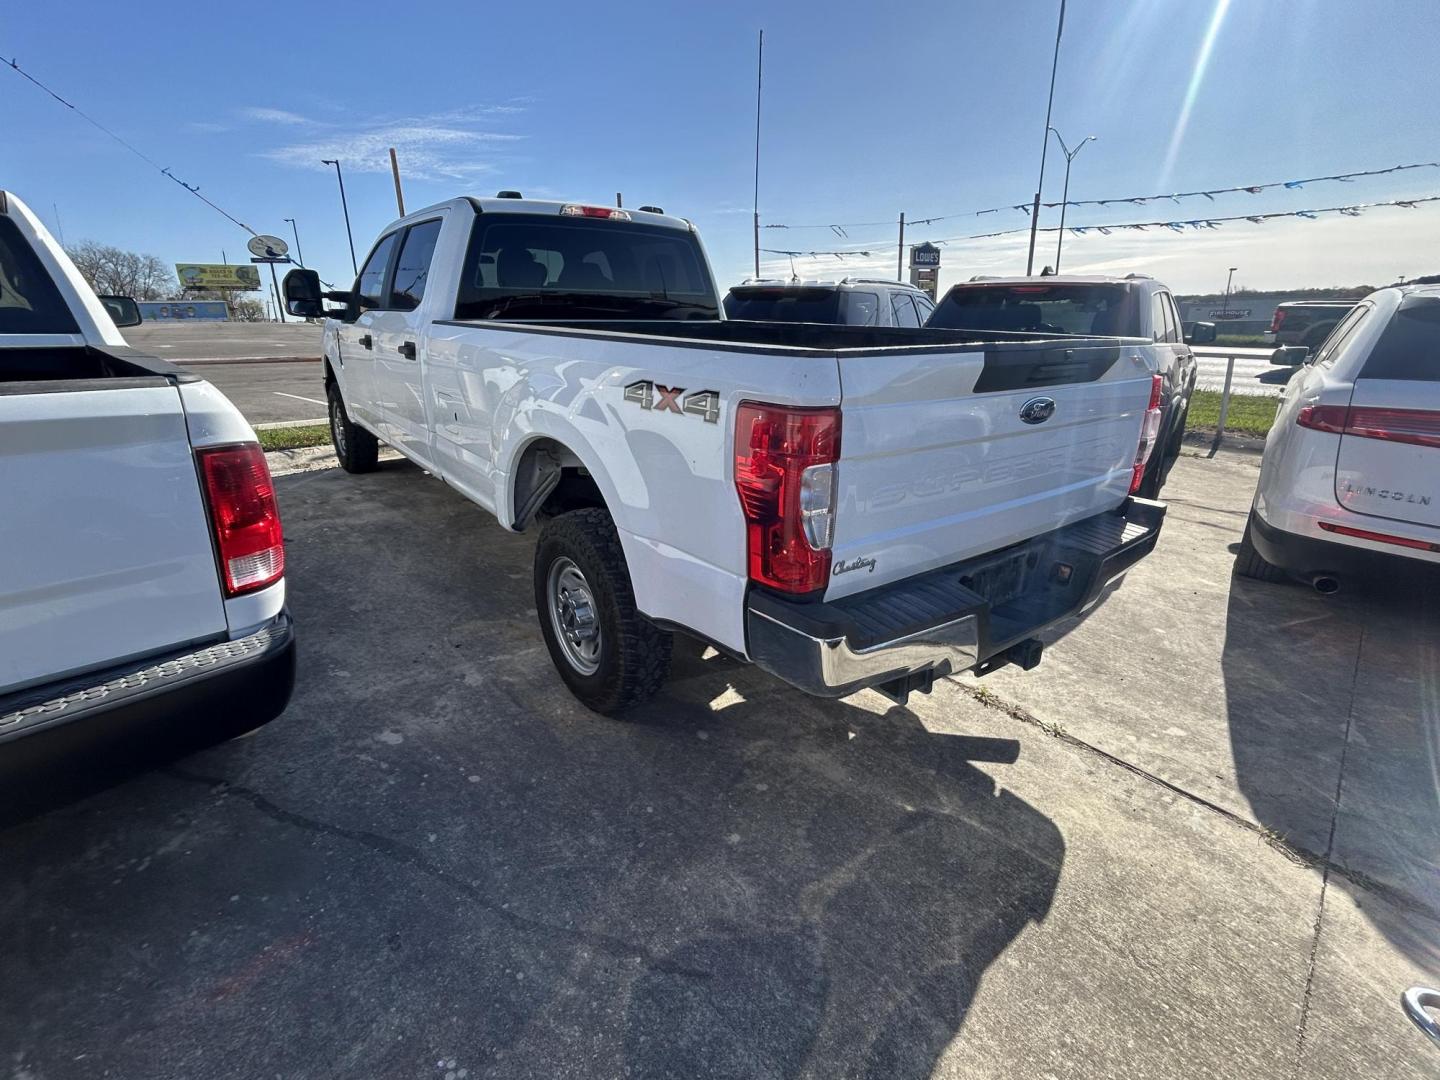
(1325, 875)
(403, 854)
(1296, 853)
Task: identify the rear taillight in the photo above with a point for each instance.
(1276, 320)
(1149, 432)
(1418, 427)
(244, 517)
(785, 475)
(1379, 537)
(610, 213)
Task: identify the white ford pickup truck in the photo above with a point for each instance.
(844, 506)
(141, 561)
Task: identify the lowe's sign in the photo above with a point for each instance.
(922, 255)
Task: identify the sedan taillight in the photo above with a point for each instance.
(244, 517)
(785, 476)
(1418, 427)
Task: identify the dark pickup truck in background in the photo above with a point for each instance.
(1305, 322)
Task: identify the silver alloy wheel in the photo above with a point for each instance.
(573, 615)
(337, 428)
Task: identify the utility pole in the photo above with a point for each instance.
(395, 171)
(1045, 146)
(1070, 155)
(1225, 304)
(619, 200)
(759, 83)
(275, 284)
(900, 255)
(354, 269)
(299, 255)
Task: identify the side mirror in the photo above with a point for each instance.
(123, 310)
(303, 294)
(1201, 333)
(1294, 355)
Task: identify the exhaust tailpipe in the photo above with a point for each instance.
(1325, 584)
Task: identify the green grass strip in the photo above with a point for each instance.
(292, 438)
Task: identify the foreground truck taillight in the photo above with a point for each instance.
(1149, 433)
(785, 475)
(244, 516)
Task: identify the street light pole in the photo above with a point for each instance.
(1225, 304)
(1070, 155)
(1040, 185)
(354, 267)
(299, 255)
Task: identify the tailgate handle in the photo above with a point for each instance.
(366, 340)
(407, 350)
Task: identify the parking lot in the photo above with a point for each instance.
(1199, 840)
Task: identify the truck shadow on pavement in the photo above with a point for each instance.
(1339, 697)
(437, 855)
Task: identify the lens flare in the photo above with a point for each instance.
(1202, 61)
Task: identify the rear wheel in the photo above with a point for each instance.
(357, 449)
(609, 655)
(1250, 563)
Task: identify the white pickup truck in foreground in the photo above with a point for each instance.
(141, 561)
(843, 506)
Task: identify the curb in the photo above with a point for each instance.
(275, 425)
(203, 361)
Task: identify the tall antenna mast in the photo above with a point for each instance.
(759, 82)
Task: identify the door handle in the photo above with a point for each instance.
(366, 341)
(407, 350)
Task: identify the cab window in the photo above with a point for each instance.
(370, 285)
(413, 265)
(904, 310)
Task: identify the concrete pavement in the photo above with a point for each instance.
(1198, 841)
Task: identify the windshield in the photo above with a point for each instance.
(29, 301)
(1059, 308)
(534, 266)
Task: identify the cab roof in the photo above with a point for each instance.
(543, 207)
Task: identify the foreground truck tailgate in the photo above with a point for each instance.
(105, 548)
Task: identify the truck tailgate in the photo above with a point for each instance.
(105, 549)
(936, 464)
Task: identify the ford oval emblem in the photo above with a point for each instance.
(1037, 410)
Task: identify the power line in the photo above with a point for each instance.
(193, 189)
(1179, 225)
(1137, 200)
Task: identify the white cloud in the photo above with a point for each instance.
(448, 145)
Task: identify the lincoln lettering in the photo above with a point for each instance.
(1388, 493)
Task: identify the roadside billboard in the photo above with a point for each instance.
(218, 276)
(171, 310)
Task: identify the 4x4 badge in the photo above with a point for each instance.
(651, 395)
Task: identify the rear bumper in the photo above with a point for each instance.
(67, 738)
(952, 619)
(1306, 557)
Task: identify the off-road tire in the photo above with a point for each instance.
(357, 449)
(1250, 563)
(634, 659)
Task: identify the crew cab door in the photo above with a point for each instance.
(1389, 457)
(399, 372)
(947, 453)
(363, 398)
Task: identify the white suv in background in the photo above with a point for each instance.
(852, 301)
(1351, 473)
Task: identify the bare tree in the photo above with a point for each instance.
(116, 272)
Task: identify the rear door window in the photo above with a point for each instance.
(862, 308)
(1331, 346)
(29, 301)
(1409, 348)
(413, 265)
(370, 285)
(904, 309)
(1177, 330)
(924, 306)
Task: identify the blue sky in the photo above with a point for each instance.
(869, 110)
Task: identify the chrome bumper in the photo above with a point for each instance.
(952, 619)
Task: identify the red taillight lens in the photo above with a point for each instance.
(1322, 417)
(243, 513)
(1149, 432)
(1276, 320)
(784, 472)
(610, 212)
(1418, 427)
